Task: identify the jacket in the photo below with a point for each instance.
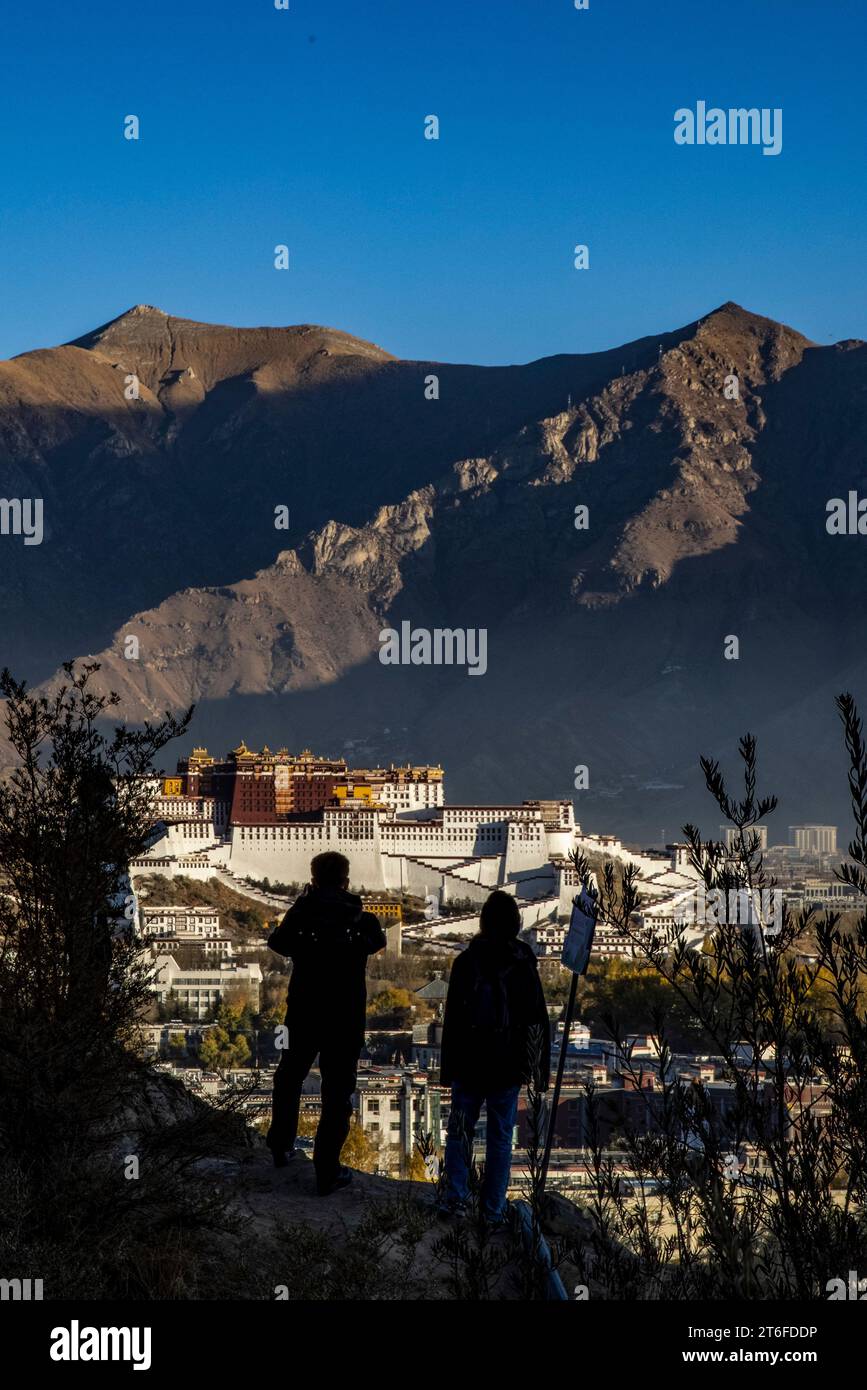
(328, 937)
(485, 1060)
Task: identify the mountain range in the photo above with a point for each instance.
(256, 505)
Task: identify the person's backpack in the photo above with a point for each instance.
(488, 1013)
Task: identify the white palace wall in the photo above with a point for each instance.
(464, 853)
(283, 852)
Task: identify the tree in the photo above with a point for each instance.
(761, 1188)
(78, 1094)
(226, 1046)
(210, 1050)
(272, 1017)
(358, 1151)
(417, 1169)
(392, 1008)
(74, 812)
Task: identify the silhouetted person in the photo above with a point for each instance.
(328, 937)
(496, 1037)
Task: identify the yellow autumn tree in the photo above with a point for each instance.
(358, 1152)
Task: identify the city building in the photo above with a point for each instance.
(730, 835)
(450, 852)
(426, 1050)
(822, 893)
(199, 991)
(409, 791)
(579, 1034)
(390, 915)
(198, 922)
(814, 839)
(266, 788)
(164, 928)
(265, 815)
(547, 938)
(435, 992)
(394, 1105)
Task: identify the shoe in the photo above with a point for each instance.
(449, 1209)
(342, 1178)
(280, 1155)
(496, 1223)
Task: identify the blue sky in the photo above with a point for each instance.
(305, 127)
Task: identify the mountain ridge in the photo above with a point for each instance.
(459, 512)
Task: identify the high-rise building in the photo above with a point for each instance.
(814, 839)
(729, 835)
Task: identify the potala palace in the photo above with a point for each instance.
(264, 815)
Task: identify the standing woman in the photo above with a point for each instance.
(496, 1037)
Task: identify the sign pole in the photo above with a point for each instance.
(576, 954)
(558, 1082)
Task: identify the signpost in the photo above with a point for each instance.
(575, 955)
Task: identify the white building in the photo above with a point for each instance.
(407, 841)
(730, 835)
(547, 939)
(579, 1034)
(202, 990)
(201, 808)
(199, 922)
(814, 839)
(822, 893)
(414, 797)
(451, 851)
(394, 1105)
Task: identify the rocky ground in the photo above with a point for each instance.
(379, 1238)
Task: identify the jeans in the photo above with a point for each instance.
(502, 1108)
(338, 1059)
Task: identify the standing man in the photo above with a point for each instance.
(496, 1037)
(328, 937)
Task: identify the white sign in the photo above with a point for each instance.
(579, 938)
